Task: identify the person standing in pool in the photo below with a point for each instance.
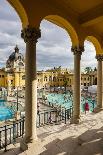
(86, 107)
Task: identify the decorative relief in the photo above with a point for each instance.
(30, 34)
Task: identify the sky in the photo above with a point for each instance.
(53, 48)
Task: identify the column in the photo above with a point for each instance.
(77, 51)
(99, 58)
(30, 36)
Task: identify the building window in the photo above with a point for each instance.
(11, 81)
(50, 78)
(54, 78)
(2, 75)
(45, 78)
(84, 84)
(23, 77)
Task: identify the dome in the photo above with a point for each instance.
(16, 55)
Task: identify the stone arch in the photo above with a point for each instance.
(20, 11)
(60, 21)
(96, 44)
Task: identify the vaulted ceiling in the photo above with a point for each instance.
(85, 16)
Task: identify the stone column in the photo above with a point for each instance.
(30, 36)
(77, 51)
(99, 58)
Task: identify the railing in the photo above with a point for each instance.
(9, 133)
(54, 116)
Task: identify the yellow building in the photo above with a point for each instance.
(13, 74)
(57, 76)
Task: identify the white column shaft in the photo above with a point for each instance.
(30, 92)
(99, 84)
(77, 88)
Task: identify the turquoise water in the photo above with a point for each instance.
(5, 113)
(66, 100)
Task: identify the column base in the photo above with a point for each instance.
(74, 120)
(31, 147)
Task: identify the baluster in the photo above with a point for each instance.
(65, 116)
(10, 135)
(14, 129)
(23, 126)
(44, 117)
(39, 120)
(20, 127)
(0, 140)
(5, 138)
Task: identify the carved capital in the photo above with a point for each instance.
(99, 57)
(30, 34)
(77, 50)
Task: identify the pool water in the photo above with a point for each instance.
(66, 100)
(5, 112)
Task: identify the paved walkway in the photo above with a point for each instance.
(85, 138)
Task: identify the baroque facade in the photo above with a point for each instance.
(14, 74)
(57, 77)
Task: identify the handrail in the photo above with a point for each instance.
(10, 132)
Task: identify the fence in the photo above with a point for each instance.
(9, 133)
(54, 116)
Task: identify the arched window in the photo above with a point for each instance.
(54, 78)
(50, 78)
(23, 77)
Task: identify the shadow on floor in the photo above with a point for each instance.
(89, 143)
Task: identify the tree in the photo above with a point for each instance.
(65, 83)
(95, 69)
(88, 69)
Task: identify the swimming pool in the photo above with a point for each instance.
(66, 100)
(5, 112)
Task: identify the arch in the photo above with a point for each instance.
(60, 21)
(20, 11)
(96, 44)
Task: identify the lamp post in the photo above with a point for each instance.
(17, 113)
(17, 100)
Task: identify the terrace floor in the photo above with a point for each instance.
(86, 138)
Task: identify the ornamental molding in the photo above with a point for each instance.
(99, 57)
(30, 34)
(77, 50)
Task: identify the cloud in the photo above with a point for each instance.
(53, 48)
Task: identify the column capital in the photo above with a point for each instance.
(30, 34)
(77, 49)
(99, 57)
